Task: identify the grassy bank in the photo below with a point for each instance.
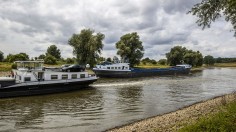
(224, 120)
(4, 66)
(184, 119)
(225, 65)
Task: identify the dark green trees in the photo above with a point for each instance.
(53, 51)
(209, 10)
(130, 48)
(87, 46)
(209, 60)
(179, 55)
(17, 57)
(1, 56)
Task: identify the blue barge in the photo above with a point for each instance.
(123, 70)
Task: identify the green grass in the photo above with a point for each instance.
(223, 121)
(5, 66)
(225, 65)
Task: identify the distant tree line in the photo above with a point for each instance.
(225, 60)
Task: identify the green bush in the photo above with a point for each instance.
(49, 59)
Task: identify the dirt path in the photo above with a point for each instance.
(175, 120)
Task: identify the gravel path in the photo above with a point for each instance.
(175, 120)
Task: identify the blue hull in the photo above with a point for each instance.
(139, 72)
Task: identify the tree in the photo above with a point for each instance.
(162, 61)
(1, 56)
(109, 59)
(42, 56)
(209, 10)
(209, 60)
(179, 55)
(130, 48)
(176, 55)
(69, 60)
(17, 57)
(49, 59)
(87, 46)
(53, 51)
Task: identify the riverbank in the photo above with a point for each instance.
(176, 120)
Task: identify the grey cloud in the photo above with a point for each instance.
(182, 6)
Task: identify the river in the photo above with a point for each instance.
(113, 102)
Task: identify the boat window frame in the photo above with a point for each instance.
(54, 78)
(82, 75)
(64, 76)
(27, 79)
(74, 76)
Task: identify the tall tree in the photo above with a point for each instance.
(130, 48)
(87, 46)
(54, 51)
(209, 10)
(42, 56)
(1, 56)
(179, 55)
(209, 60)
(176, 55)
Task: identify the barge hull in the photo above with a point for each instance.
(141, 73)
(30, 90)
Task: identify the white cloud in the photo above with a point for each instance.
(32, 26)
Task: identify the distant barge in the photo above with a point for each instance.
(30, 78)
(123, 70)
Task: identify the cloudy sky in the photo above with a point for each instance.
(31, 26)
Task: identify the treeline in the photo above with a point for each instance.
(88, 45)
(225, 60)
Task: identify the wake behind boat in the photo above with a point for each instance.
(31, 78)
(123, 70)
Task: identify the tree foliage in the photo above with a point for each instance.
(69, 60)
(1, 56)
(49, 59)
(209, 60)
(86, 46)
(209, 10)
(225, 60)
(17, 57)
(179, 55)
(109, 59)
(42, 56)
(54, 51)
(149, 61)
(130, 48)
(162, 61)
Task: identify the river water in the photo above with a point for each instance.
(113, 102)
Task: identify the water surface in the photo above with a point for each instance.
(113, 102)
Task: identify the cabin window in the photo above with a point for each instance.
(112, 67)
(53, 77)
(64, 76)
(126, 67)
(82, 75)
(74, 76)
(27, 79)
(115, 67)
(118, 67)
(108, 67)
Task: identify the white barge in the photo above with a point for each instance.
(31, 78)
